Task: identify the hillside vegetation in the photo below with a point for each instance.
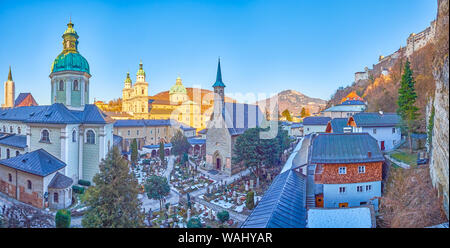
(381, 93)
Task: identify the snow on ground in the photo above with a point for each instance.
(239, 208)
(340, 218)
(222, 203)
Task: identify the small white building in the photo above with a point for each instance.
(315, 124)
(384, 127)
(345, 109)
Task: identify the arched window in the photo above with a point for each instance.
(45, 136)
(11, 129)
(86, 86)
(90, 137)
(109, 145)
(8, 155)
(9, 177)
(74, 136)
(29, 185)
(55, 197)
(61, 85)
(75, 85)
(17, 153)
(18, 130)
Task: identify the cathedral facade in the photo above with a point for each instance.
(135, 100)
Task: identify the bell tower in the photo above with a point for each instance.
(70, 73)
(10, 93)
(219, 91)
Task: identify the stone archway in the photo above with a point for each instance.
(217, 161)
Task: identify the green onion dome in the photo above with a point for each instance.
(178, 87)
(70, 62)
(70, 59)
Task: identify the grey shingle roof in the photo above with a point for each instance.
(14, 140)
(353, 102)
(195, 141)
(345, 148)
(346, 108)
(316, 120)
(38, 162)
(283, 204)
(376, 119)
(59, 181)
(56, 113)
(141, 123)
(338, 124)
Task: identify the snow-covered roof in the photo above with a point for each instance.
(357, 217)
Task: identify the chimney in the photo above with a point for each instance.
(369, 154)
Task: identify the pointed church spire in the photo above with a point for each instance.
(219, 81)
(10, 75)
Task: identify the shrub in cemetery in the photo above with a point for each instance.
(84, 182)
(223, 216)
(250, 200)
(62, 218)
(194, 223)
(78, 189)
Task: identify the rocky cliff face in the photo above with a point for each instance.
(439, 171)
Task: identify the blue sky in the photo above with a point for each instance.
(265, 46)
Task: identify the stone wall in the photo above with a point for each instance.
(440, 143)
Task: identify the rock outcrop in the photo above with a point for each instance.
(439, 170)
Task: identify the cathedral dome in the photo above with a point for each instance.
(178, 88)
(70, 62)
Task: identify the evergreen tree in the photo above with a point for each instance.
(157, 188)
(250, 200)
(287, 115)
(62, 218)
(254, 152)
(134, 152)
(161, 151)
(406, 99)
(113, 201)
(303, 112)
(180, 144)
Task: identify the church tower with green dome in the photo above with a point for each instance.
(70, 73)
